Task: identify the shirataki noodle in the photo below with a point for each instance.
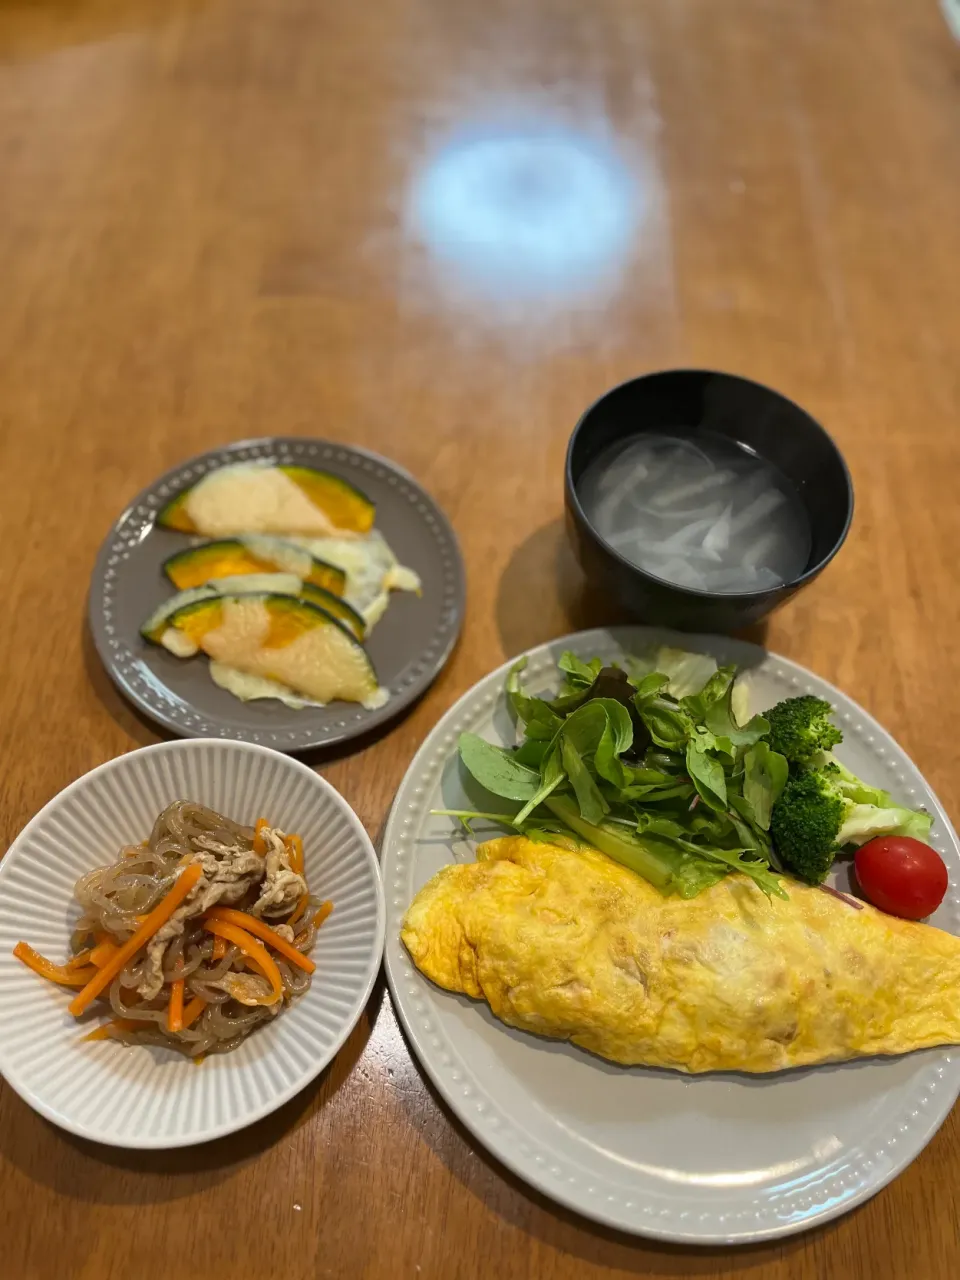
(250, 884)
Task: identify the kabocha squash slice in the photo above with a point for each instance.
(345, 507)
(281, 584)
(281, 638)
(230, 557)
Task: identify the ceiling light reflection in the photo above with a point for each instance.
(526, 213)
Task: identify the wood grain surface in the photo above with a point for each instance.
(225, 218)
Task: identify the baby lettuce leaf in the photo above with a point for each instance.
(532, 752)
(497, 770)
(720, 719)
(592, 804)
(552, 774)
(706, 773)
(764, 777)
(540, 721)
(697, 705)
(668, 725)
(685, 673)
(577, 671)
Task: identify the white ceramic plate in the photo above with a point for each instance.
(152, 1097)
(698, 1159)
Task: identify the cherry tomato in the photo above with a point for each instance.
(901, 875)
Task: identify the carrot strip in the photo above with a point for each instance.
(298, 910)
(115, 1024)
(325, 909)
(259, 844)
(63, 975)
(193, 1009)
(175, 1011)
(219, 948)
(80, 959)
(158, 917)
(252, 948)
(261, 930)
(103, 952)
(295, 850)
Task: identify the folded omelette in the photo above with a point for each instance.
(573, 946)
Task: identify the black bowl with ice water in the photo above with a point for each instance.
(703, 500)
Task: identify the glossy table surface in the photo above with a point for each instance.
(439, 230)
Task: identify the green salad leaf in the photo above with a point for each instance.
(658, 765)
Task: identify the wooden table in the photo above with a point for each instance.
(227, 218)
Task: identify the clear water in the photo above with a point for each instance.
(699, 511)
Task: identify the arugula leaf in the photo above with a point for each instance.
(764, 777)
(707, 776)
(538, 717)
(552, 774)
(591, 802)
(496, 769)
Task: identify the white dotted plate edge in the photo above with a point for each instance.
(863, 1173)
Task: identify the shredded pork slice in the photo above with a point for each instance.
(282, 887)
(229, 872)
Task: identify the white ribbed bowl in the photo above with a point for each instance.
(152, 1097)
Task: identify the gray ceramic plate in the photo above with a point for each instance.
(408, 646)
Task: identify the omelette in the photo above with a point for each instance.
(571, 945)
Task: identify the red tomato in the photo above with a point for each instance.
(901, 875)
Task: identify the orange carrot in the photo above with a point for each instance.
(175, 1011)
(80, 959)
(261, 930)
(64, 975)
(193, 1009)
(115, 1024)
(325, 909)
(219, 948)
(295, 850)
(103, 952)
(156, 919)
(256, 951)
(259, 844)
(298, 910)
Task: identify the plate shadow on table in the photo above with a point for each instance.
(543, 593)
(85, 1170)
(138, 727)
(521, 1206)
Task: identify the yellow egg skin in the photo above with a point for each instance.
(573, 946)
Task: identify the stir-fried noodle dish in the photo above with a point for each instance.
(194, 937)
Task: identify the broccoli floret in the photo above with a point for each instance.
(804, 825)
(821, 810)
(800, 728)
